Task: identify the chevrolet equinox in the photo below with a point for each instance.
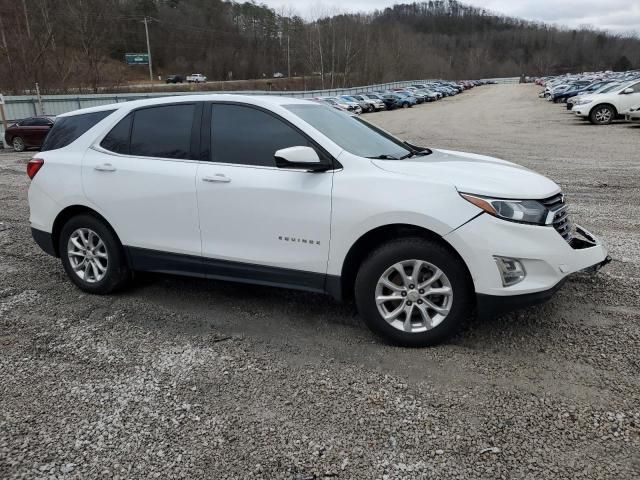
(290, 193)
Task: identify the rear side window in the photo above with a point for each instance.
(68, 129)
(163, 131)
(117, 140)
(249, 136)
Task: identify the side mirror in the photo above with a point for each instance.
(302, 158)
(628, 91)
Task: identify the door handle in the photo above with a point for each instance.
(218, 177)
(105, 167)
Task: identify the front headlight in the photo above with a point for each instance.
(583, 102)
(523, 211)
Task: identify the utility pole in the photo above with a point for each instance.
(39, 97)
(146, 30)
(3, 116)
(288, 57)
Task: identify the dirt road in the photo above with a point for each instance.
(182, 378)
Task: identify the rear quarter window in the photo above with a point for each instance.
(66, 130)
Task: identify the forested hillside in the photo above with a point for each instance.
(81, 43)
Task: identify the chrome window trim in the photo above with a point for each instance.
(98, 148)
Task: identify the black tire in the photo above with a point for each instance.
(117, 272)
(405, 105)
(602, 114)
(389, 254)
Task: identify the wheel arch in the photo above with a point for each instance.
(605, 104)
(72, 211)
(369, 241)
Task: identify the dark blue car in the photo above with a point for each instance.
(579, 88)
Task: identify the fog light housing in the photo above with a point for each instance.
(511, 270)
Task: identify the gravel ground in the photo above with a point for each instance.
(183, 378)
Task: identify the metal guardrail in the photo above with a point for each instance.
(24, 106)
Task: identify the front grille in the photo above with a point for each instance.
(560, 211)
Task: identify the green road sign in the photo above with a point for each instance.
(136, 58)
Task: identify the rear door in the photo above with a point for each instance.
(40, 129)
(142, 179)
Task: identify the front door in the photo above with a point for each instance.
(258, 221)
(629, 100)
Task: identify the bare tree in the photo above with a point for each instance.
(74, 44)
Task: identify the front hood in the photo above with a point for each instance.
(472, 173)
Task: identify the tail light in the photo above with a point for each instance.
(34, 166)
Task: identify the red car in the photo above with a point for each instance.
(28, 133)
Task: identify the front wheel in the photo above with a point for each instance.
(414, 292)
(92, 255)
(405, 105)
(602, 115)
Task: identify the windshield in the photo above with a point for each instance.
(354, 135)
(608, 88)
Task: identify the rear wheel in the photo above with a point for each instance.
(18, 144)
(405, 105)
(602, 115)
(92, 255)
(413, 292)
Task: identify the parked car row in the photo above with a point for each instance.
(31, 132)
(405, 97)
(600, 97)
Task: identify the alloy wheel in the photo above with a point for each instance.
(604, 115)
(88, 255)
(414, 296)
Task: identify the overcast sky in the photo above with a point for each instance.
(619, 16)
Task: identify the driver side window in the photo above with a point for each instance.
(248, 136)
(636, 87)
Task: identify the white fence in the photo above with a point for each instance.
(506, 80)
(24, 106)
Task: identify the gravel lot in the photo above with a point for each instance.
(182, 378)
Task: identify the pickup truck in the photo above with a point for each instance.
(196, 78)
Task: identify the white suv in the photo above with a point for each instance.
(286, 192)
(603, 108)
